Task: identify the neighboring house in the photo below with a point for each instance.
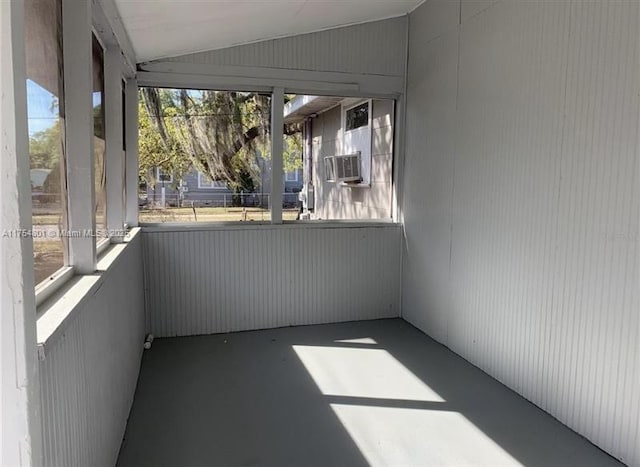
(45, 187)
(347, 156)
(197, 189)
(39, 177)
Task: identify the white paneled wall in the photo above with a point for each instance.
(370, 48)
(89, 366)
(203, 280)
(521, 203)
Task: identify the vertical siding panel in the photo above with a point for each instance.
(88, 371)
(375, 48)
(544, 134)
(214, 281)
(209, 270)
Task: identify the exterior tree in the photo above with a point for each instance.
(222, 134)
(153, 153)
(217, 131)
(45, 149)
(292, 152)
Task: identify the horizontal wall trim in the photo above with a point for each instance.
(219, 77)
(180, 227)
(263, 72)
(150, 78)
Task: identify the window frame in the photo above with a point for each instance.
(159, 180)
(366, 157)
(296, 177)
(349, 100)
(271, 214)
(212, 186)
(81, 257)
(60, 274)
(346, 111)
(98, 45)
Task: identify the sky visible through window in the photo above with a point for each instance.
(42, 107)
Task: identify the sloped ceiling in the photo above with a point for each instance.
(166, 28)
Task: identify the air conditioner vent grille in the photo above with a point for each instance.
(343, 168)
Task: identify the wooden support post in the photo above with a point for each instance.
(78, 79)
(20, 428)
(114, 140)
(277, 136)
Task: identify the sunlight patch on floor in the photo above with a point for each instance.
(368, 380)
(408, 437)
(356, 372)
(361, 340)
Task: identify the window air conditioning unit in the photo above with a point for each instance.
(343, 168)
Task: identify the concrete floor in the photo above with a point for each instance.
(371, 393)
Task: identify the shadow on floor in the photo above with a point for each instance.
(370, 393)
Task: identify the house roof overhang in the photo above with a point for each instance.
(300, 107)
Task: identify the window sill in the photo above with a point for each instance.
(356, 185)
(49, 286)
(102, 245)
(58, 279)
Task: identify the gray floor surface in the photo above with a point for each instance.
(370, 393)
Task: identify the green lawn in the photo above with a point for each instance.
(211, 214)
(185, 215)
(48, 257)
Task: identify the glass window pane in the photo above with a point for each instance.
(99, 145)
(45, 110)
(357, 117)
(345, 166)
(204, 156)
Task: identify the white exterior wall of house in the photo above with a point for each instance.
(521, 202)
(335, 200)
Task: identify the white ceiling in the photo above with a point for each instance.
(165, 28)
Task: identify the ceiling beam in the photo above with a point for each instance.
(300, 81)
(107, 21)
